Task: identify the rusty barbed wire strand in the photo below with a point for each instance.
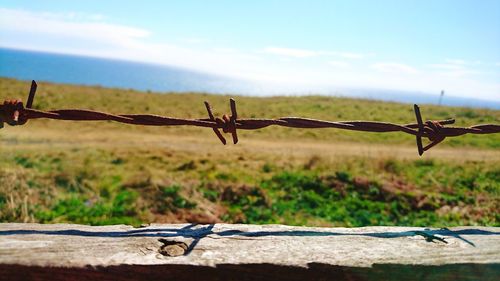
(14, 113)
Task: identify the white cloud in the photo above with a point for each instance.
(70, 26)
(304, 53)
(289, 52)
(394, 68)
(456, 61)
(457, 73)
(340, 64)
(71, 16)
(352, 55)
(448, 66)
(225, 50)
(454, 68)
(346, 55)
(194, 40)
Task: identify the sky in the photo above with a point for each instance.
(426, 45)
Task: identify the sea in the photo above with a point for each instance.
(82, 70)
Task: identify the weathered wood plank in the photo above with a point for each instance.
(240, 252)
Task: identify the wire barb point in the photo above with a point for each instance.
(420, 129)
(31, 96)
(232, 120)
(212, 118)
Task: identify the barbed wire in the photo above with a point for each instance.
(14, 113)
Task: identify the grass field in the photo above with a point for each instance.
(106, 173)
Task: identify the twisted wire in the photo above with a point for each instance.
(14, 113)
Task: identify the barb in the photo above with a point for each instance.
(14, 113)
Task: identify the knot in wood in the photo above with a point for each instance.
(172, 248)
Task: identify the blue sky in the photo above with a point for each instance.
(403, 45)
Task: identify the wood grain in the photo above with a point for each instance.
(246, 252)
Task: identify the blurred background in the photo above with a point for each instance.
(332, 60)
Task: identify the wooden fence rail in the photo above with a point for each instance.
(246, 252)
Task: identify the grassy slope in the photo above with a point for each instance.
(104, 172)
